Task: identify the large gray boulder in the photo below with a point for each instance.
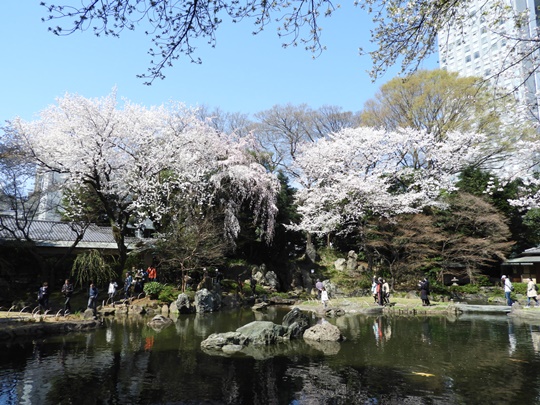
(249, 339)
(182, 304)
(340, 264)
(324, 332)
(256, 333)
(206, 301)
(217, 341)
(272, 281)
(352, 261)
(262, 332)
(296, 323)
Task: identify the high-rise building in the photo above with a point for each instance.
(485, 46)
(47, 189)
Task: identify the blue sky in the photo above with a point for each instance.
(244, 73)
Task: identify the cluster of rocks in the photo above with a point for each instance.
(256, 334)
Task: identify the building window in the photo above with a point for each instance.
(476, 55)
(467, 58)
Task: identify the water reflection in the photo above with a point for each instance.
(384, 360)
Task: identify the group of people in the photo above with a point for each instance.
(532, 291)
(67, 292)
(322, 294)
(134, 281)
(380, 290)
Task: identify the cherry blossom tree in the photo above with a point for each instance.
(359, 172)
(138, 160)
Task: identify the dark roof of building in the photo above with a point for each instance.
(535, 251)
(54, 233)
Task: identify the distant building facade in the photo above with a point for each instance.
(481, 51)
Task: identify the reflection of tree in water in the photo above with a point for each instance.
(467, 361)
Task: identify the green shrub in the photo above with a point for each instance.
(168, 294)
(520, 288)
(153, 289)
(466, 289)
(470, 288)
(438, 288)
(483, 281)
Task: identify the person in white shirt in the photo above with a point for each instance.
(112, 289)
(508, 287)
(324, 297)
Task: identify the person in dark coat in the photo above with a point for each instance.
(424, 292)
(43, 297)
(379, 291)
(92, 298)
(67, 291)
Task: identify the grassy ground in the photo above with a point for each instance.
(358, 303)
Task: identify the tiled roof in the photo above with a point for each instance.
(532, 251)
(55, 233)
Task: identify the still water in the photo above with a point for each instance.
(385, 360)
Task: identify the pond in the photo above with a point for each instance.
(385, 360)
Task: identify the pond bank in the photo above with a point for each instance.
(25, 325)
(413, 307)
(20, 325)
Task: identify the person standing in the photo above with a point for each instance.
(379, 291)
(92, 298)
(324, 297)
(152, 273)
(67, 291)
(508, 287)
(386, 292)
(43, 297)
(374, 289)
(127, 285)
(424, 292)
(219, 276)
(531, 292)
(319, 286)
(239, 286)
(112, 290)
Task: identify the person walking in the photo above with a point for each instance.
(374, 289)
(508, 287)
(379, 291)
(92, 298)
(112, 290)
(319, 286)
(386, 292)
(324, 297)
(67, 291)
(532, 292)
(43, 297)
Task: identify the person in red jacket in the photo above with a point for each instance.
(152, 273)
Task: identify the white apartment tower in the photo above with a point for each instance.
(47, 189)
(483, 45)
